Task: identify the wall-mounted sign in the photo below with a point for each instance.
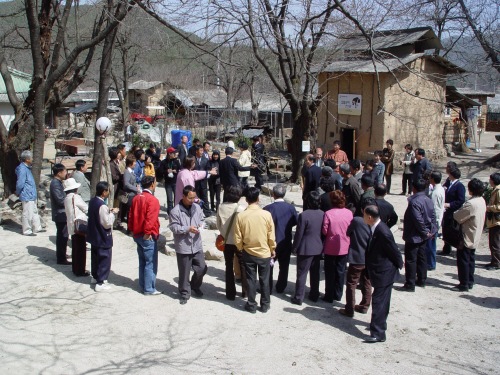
(350, 104)
(306, 146)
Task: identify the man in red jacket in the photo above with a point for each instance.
(144, 223)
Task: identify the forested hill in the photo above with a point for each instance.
(155, 52)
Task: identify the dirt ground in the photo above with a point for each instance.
(55, 323)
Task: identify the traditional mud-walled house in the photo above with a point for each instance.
(398, 94)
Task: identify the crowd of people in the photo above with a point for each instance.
(345, 222)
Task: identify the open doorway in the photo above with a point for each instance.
(347, 139)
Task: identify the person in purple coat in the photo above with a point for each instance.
(308, 246)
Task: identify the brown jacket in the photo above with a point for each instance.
(494, 207)
(388, 158)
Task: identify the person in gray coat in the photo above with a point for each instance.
(186, 223)
(308, 246)
(129, 186)
(79, 176)
(57, 197)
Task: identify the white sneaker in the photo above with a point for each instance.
(94, 281)
(102, 287)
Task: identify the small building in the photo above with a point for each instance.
(400, 94)
(22, 83)
(146, 97)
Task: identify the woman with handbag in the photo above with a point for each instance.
(226, 218)
(76, 214)
(493, 222)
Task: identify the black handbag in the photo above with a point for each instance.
(80, 225)
(452, 232)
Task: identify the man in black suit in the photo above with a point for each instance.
(387, 213)
(454, 198)
(311, 174)
(201, 186)
(383, 262)
(192, 149)
(182, 149)
(228, 171)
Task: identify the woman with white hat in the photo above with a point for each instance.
(76, 214)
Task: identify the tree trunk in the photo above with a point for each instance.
(100, 158)
(304, 129)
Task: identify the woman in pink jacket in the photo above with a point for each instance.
(335, 246)
(187, 176)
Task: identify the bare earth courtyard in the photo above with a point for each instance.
(55, 323)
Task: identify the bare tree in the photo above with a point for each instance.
(59, 67)
(485, 26)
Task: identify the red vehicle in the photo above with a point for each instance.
(139, 116)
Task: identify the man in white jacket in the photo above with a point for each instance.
(436, 193)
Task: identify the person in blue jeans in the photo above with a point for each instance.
(144, 223)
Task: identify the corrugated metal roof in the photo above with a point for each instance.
(472, 92)
(81, 96)
(5, 99)
(87, 107)
(195, 98)
(367, 66)
(22, 82)
(387, 65)
(453, 97)
(394, 38)
(143, 85)
(267, 103)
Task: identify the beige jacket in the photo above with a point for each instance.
(76, 210)
(471, 216)
(245, 160)
(224, 214)
(494, 206)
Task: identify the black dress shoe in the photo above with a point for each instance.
(313, 299)
(250, 309)
(444, 253)
(346, 313)
(183, 301)
(360, 309)
(296, 301)
(264, 309)
(86, 273)
(460, 288)
(231, 298)
(420, 284)
(328, 300)
(372, 340)
(492, 268)
(65, 263)
(197, 293)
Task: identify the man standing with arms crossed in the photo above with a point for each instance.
(254, 235)
(144, 223)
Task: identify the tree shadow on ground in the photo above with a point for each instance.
(487, 302)
(326, 315)
(48, 257)
(210, 292)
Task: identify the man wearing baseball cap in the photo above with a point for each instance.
(170, 166)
